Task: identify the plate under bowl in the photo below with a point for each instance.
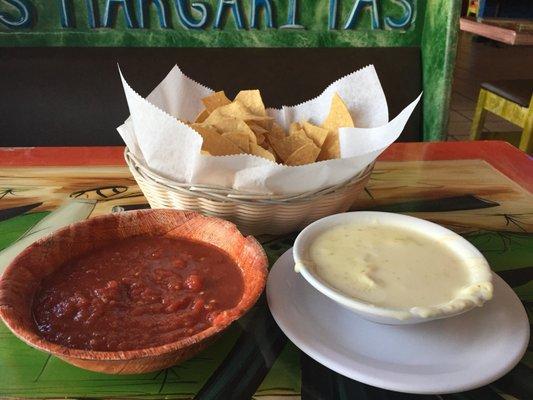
(445, 356)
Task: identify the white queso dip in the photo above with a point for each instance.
(395, 267)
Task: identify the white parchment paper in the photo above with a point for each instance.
(154, 134)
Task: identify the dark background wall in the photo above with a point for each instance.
(73, 96)
(508, 9)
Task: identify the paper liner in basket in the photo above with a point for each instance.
(171, 148)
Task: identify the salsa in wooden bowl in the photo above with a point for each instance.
(132, 292)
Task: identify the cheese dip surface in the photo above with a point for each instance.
(391, 266)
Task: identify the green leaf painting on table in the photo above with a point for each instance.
(15, 227)
(30, 373)
(505, 250)
(69, 212)
(284, 376)
(510, 255)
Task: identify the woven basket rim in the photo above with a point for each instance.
(219, 193)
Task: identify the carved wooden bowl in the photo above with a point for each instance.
(23, 276)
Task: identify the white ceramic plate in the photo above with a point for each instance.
(441, 356)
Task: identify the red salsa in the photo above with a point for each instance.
(137, 293)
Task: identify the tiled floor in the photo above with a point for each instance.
(478, 62)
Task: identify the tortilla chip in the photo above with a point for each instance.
(229, 124)
(263, 122)
(295, 127)
(251, 99)
(338, 117)
(266, 145)
(260, 152)
(315, 133)
(215, 101)
(202, 116)
(277, 131)
(238, 111)
(257, 128)
(304, 155)
(241, 139)
(232, 110)
(214, 143)
(260, 138)
(289, 144)
(260, 133)
(330, 148)
(243, 126)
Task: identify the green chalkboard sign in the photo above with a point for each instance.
(430, 25)
(179, 23)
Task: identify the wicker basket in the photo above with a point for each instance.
(253, 214)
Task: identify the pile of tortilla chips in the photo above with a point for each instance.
(243, 126)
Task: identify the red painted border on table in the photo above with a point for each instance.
(503, 156)
(512, 162)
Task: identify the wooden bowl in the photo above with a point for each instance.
(23, 277)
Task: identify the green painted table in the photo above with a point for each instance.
(483, 190)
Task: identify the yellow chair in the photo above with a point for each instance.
(511, 100)
(473, 8)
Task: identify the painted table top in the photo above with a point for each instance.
(512, 33)
(483, 190)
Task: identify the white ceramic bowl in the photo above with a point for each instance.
(460, 246)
